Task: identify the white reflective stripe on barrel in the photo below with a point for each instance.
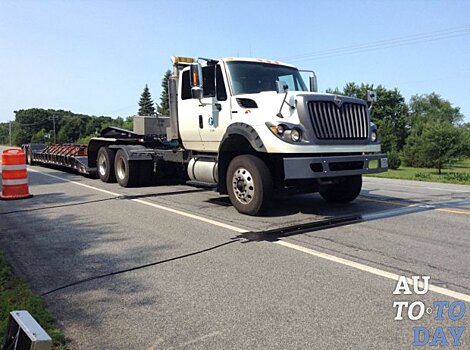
(14, 167)
(15, 182)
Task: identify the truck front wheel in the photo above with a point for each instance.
(105, 164)
(249, 184)
(344, 192)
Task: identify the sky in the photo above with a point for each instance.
(95, 57)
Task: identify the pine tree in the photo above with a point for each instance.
(146, 103)
(164, 107)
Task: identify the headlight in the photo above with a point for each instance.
(288, 132)
(295, 135)
(373, 135)
(278, 129)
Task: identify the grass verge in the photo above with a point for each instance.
(458, 174)
(16, 295)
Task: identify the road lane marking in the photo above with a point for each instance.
(332, 258)
(140, 201)
(75, 182)
(455, 211)
(372, 270)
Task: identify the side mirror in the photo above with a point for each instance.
(196, 81)
(313, 82)
(371, 96)
(281, 87)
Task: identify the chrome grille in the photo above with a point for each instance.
(330, 122)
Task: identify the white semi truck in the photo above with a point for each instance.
(251, 127)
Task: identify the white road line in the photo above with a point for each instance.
(175, 211)
(372, 270)
(318, 254)
(75, 182)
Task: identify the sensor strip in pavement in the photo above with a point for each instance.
(325, 256)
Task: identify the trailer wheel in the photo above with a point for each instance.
(345, 191)
(249, 184)
(105, 164)
(29, 156)
(127, 173)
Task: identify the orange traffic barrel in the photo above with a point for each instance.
(14, 175)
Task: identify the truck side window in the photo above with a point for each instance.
(221, 92)
(208, 81)
(208, 84)
(185, 86)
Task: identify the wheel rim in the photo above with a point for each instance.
(102, 165)
(243, 186)
(121, 168)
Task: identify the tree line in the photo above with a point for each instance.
(36, 125)
(428, 131)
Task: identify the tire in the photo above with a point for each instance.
(127, 173)
(105, 164)
(344, 192)
(29, 156)
(249, 184)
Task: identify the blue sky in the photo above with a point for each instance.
(95, 57)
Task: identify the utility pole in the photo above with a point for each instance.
(53, 124)
(10, 132)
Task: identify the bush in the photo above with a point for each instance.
(422, 176)
(457, 177)
(84, 140)
(394, 160)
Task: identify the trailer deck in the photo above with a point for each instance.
(69, 156)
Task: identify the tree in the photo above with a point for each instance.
(432, 106)
(146, 103)
(466, 137)
(390, 112)
(164, 107)
(71, 129)
(39, 137)
(34, 123)
(436, 144)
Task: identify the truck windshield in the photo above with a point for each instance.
(254, 77)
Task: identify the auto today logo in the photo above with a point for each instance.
(440, 311)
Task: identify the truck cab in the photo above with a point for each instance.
(263, 110)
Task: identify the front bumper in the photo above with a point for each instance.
(321, 167)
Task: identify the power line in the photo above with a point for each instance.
(30, 124)
(122, 108)
(383, 44)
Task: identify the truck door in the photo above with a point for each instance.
(188, 121)
(215, 116)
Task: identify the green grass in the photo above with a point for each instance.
(458, 174)
(16, 295)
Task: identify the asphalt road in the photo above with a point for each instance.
(202, 276)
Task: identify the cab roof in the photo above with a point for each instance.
(257, 60)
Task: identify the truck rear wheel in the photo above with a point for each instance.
(105, 164)
(344, 192)
(127, 172)
(249, 184)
